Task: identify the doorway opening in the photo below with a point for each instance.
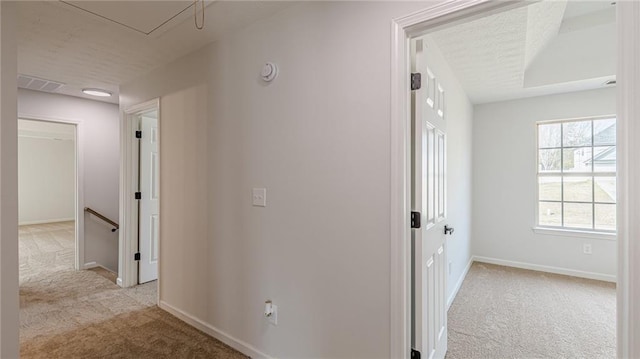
(50, 205)
(500, 117)
(140, 192)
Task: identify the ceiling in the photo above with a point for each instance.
(144, 17)
(543, 48)
(102, 44)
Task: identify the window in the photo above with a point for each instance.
(577, 175)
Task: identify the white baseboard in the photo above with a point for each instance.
(548, 269)
(90, 265)
(236, 344)
(459, 283)
(45, 221)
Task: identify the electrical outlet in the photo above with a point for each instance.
(586, 248)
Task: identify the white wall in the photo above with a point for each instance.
(318, 139)
(459, 116)
(504, 183)
(46, 179)
(98, 133)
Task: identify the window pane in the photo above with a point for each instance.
(576, 159)
(604, 159)
(550, 188)
(578, 189)
(576, 181)
(605, 189)
(604, 132)
(576, 133)
(550, 214)
(578, 215)
(606, 216)
(549, 135)
(549, 160)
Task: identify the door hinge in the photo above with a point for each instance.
(416, 81)
(415, 354)
(136, 256)
(415, 219)
(138, 195)
(138, 134)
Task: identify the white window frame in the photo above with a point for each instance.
(562, 230)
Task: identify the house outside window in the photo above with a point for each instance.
(577, 175)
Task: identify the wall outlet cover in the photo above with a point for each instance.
(259, 197)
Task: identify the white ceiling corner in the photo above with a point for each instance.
(543, 23)
(587, 7)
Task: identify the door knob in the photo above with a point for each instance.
(448, 230)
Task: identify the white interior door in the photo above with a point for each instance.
(149, 209)
(429, 334)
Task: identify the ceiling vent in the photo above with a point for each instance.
(610, 83)
(37, 84)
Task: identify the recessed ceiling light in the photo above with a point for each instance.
(97, 92)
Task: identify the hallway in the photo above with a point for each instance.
(76, 314)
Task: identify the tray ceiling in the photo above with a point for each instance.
(516, 53)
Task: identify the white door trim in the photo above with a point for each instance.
(418, 23)
(79, 179)
(127, 266)
(628, 108)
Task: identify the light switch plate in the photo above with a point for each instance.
(259, 197)
(273, 319)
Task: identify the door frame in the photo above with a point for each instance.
(127, 265)
(451, 12)
(79, 263)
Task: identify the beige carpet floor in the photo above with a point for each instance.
(503, 312)
(81, 314)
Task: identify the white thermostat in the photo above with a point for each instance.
(269, 71)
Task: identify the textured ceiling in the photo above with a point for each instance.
(490, 56)
(486, 53)
(62, 43)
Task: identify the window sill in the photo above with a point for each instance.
(574, 233)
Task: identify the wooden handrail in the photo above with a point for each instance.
(114, 224)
